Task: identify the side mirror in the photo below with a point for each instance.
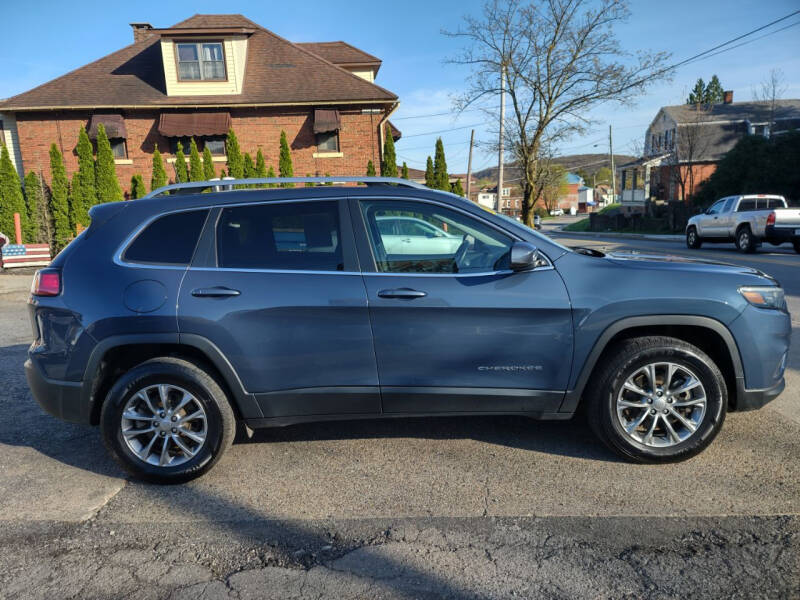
(524, 256)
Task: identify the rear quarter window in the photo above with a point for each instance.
(169, 240)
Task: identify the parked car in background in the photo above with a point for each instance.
(268, 307)
(556, 212)
(410, 235)
(747, 221)
(537, 222)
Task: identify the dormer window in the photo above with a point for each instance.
(201, 61)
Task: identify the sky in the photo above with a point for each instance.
(414, 51)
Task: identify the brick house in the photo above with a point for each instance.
(199, 78)
(684, 143)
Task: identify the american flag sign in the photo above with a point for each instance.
(24, 255)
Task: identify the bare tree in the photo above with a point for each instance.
(691, 146)
(561, 59)
(772, 90)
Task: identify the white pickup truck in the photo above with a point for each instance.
(746, 221)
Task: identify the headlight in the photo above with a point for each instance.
(764, 297)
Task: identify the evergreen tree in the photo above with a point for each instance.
(84, 192)
(389, 163)
(34, 202)
(235, 161)
(370, 169)
(222, 174)
(78, 215)
(208, 164)
(249, 168)
(457, 189)
(107, 184)
(137, 187)
(11, 198)
(271, 174)
(181, 173)
(714, 94)
(440, 177)
(196, 172)
(404, 171)
(430, 181)
(285, 167)
(159, 178)
(261, 166)
(59, 205)
(698, 93)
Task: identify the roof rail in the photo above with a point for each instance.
(227, 183)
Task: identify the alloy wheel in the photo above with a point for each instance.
(661, 404)
(164, 425)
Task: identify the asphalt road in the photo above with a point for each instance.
(461, 508)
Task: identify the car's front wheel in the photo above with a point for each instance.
(167, 421)
(657, 399)
(693, 240)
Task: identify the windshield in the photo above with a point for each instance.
(526, 229)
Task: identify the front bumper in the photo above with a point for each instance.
(755, 399)
(62, 399)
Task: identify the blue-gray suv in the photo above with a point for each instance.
(174, 318)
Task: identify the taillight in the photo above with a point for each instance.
(46, 282)
(771, 219)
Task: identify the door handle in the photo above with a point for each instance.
(214, 292)
(405, 293)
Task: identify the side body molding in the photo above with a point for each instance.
(573, 396)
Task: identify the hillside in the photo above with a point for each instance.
(589, 162)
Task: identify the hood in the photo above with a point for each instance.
(673, 262)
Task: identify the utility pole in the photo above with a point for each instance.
(502, 126)
(469, 164)
(613, 170)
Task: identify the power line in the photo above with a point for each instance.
(441, 114)
(442, 131)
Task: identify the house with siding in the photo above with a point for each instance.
(684, 143)
(198, 78)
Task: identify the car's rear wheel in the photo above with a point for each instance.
(657, 399)
(167, 421)
(693, 239)
(745, 240)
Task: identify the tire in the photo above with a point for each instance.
(796, 244)
(693, 239)
(211, 420)
(745, 240)
(607, 418)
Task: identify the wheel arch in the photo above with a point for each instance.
(708, 334)
(115, 355)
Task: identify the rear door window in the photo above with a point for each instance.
(774, 203)
(746, 205)
(291, 236)
(169, 240)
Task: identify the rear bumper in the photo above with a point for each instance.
(62, 399)
(782, 234)
(755, 399)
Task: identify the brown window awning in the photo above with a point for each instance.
(194, 124)
(326, 120)
(113, 124)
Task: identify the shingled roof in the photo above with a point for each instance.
(341, 53)
(277, 72)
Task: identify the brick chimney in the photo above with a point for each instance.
(140, 31)
(727, 96)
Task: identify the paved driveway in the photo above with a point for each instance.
(462, 507)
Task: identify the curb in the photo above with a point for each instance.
(632, 236)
